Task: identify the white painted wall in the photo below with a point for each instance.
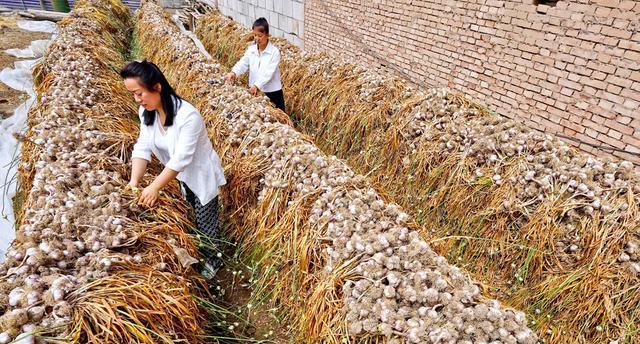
(286, 17)
(172, 3)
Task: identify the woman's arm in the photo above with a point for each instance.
(138, 168)
(141, 155)
(241, 66)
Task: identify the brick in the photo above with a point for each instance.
(614, 89)
(632, 55)
(610, 141)
(606, 68)
(619, 127)
(630, 141)
(614, 134)
(630, 157)
(624, 111)
(629, 45)
(573, 126)
(613, 98)
(549, 125)
(632, 104)
(560, 65)
(585, 35)
(589, 90)
(623, 119)
(582, 70)
(591, 134)
(582, 105)
(627, 5)
(580, 61)
(566, 91)
(623, 73)
(543, 107)
(585, 54)
(620, 23)
(607, 3)
(605, 104)
(618, 33)
(598, 84)
(567, 58)
(619, 81)
(598, 75)
(574, 77)
(603, 11)
(570, 84)
(605, 58)
(599, 127)
(561, 105)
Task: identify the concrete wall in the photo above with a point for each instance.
(172, 3)
(286, 17)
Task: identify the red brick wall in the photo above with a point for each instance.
(572, 69)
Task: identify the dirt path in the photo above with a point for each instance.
(11, 36)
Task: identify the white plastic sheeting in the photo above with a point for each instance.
(38, 26)
(35, 49)
(19, 78)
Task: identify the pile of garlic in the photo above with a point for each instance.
(547, 169)
(402, 289)
(74, 214)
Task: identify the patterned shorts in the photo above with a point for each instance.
(206, 221)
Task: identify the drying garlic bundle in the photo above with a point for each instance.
(74, 214)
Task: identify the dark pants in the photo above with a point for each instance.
(277, 98)
(206, 221)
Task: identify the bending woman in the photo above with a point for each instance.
(173, 130)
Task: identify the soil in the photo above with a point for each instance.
(244, 323)
(11, 36)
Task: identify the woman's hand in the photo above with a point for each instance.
(253, 90)
(230, 76)
(131, 186)
(149, 196)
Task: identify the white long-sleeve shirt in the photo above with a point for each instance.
(185, 148)
(264, 70)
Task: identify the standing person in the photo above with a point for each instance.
(173, 130)
(262, 59)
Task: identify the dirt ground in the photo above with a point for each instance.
(11, 36)
(244, 323)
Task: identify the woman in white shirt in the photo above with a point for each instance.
(262, 59)
(173, 130)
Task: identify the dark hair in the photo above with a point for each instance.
(263, 23)
(149, 75)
